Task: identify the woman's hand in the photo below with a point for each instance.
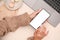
(35, 13)
(40, 33)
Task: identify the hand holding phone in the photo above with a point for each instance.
(40, 19)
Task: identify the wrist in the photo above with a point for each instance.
(32, 38)
(36, 38)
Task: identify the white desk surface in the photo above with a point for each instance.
(23, 33)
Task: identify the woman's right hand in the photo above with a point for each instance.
(40, 33)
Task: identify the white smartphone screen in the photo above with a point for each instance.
(39, 19)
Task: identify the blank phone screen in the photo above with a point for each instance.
(39, 19)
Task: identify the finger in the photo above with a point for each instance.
(35, 13)
(40, 35)
(40, 32)
(46, 33)
(42, 29)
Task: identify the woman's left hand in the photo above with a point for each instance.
(35, 13)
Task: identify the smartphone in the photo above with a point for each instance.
(40, 19)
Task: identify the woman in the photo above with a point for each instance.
(41, 32)
(10, 24)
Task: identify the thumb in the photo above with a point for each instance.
(35, 13)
